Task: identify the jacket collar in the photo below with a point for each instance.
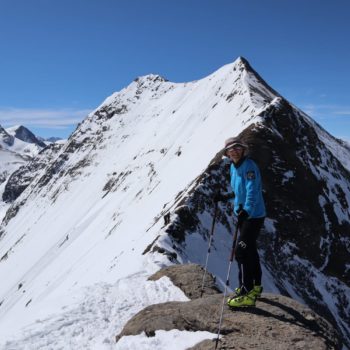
(237, 165)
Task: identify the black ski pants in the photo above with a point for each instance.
(247, 254)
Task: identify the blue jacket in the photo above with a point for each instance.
(247, 187)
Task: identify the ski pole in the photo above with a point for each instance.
(233, 250)
(209, 246)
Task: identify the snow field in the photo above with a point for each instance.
(99, 313)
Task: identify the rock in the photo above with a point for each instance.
(277, 322)
(189, 278)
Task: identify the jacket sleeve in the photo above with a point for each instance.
(253, 185)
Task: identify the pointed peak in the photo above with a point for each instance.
(254, 77)
(242, 63)
(241, 60)
(13, 130)
(15, 127)
(24, 134)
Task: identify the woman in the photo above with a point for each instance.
(249, 207)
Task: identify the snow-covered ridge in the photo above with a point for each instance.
(231, 79)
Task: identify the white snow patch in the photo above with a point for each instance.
(270, 226)
(170, 340)
(96, 316)
(287, 176)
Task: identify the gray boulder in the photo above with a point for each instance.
(189, 278)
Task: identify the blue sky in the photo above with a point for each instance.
(60, 59)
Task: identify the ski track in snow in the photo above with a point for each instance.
(100, 315)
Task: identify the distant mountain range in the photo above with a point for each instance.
(22, 133)
(18, 145)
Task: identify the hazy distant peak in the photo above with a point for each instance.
(24, 134)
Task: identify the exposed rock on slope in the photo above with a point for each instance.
(18, 145)
(21, 178)
(188, 278)
(9, 162)
(276, 322)
(5, 138)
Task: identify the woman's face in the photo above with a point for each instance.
(235, 153)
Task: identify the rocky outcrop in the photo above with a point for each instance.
(277, 322)
(21, 178)
(188, 278)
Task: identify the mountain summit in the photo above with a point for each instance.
(84, 226)
(24, 134)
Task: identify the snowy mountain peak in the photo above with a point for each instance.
(24, 134)
(19, 139)
(235, 83)
(242, 62)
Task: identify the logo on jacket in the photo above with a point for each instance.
(251, 175)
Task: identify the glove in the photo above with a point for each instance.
(219, 197)
(242, 215)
